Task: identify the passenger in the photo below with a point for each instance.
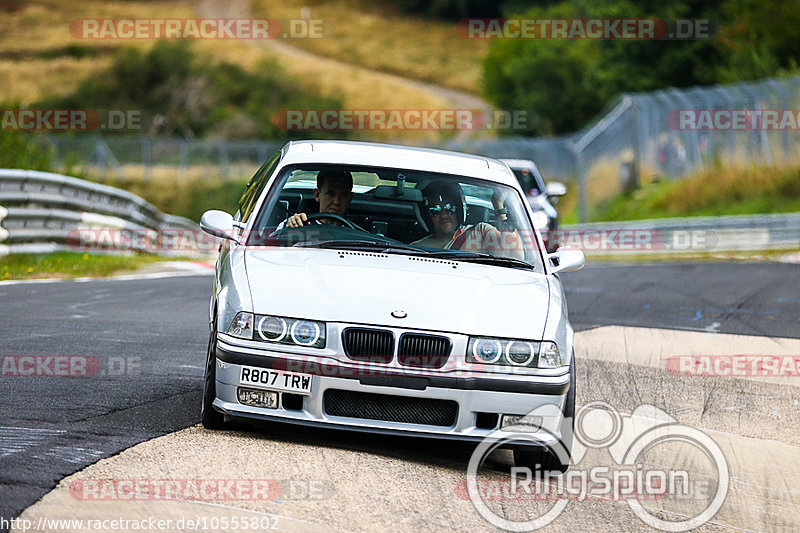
(446, 209)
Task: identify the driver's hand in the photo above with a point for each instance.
(499, 198)
(297, 220)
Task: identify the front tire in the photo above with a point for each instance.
(557, 457)
(211, 418)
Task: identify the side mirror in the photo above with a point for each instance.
(555, 188)
(566, 260)
(218, 224)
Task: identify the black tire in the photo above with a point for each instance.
(211, 418)
(556, 458)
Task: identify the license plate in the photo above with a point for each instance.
(275, 380)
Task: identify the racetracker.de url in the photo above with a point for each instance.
(259, 522)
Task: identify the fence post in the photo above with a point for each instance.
(785, 106)
(147, 158)
(184, 158)
(580, 169)
(223, 158)
(637, 148)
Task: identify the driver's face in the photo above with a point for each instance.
(334, 197)
(444, 224)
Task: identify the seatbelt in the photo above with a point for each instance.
(459, 241)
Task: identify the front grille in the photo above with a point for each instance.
(426, 351)
(372, 345)
(390, 408)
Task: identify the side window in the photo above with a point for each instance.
(253, 189)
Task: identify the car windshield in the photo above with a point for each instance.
(398, 211)
(527, 181)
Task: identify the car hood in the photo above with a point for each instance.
(364, 288)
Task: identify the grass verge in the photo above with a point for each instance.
(189, 197)
(723, 190)
(719, 191)
(658, 257)
(72, 265)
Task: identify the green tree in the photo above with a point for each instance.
(564, 84)
(182, 94)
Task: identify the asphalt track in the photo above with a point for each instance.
(148, 338)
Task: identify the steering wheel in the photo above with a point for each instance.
(337, 218)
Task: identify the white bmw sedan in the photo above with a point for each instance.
(390, 289)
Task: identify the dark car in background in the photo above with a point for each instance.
(542, 198)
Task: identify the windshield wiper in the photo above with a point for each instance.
(362, 245)
(472, 257)
(480, 257)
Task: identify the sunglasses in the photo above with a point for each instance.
(437, 209)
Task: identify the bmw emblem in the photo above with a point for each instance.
(399, 313)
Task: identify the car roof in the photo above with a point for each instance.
(397, 156)
(519, 163)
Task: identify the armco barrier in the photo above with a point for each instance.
(687, 235)
(39, 209)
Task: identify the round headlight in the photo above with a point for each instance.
(271, 328)
(540, 220)
(487, 350)
(519, 353)
(305, 333)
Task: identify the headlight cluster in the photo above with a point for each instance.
(268, 328)
(513, 352)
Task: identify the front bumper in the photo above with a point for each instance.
(478, 397)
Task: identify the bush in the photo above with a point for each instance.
(179, 93)
(24, 150)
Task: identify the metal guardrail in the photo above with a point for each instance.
(40, 211)
(687, 235)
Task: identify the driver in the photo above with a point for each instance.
(446, 206)
(333, 194)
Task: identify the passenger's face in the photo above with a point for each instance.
(445, 222)
(334, 197)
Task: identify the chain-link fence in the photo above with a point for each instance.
(145, 158)
(668, 133)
